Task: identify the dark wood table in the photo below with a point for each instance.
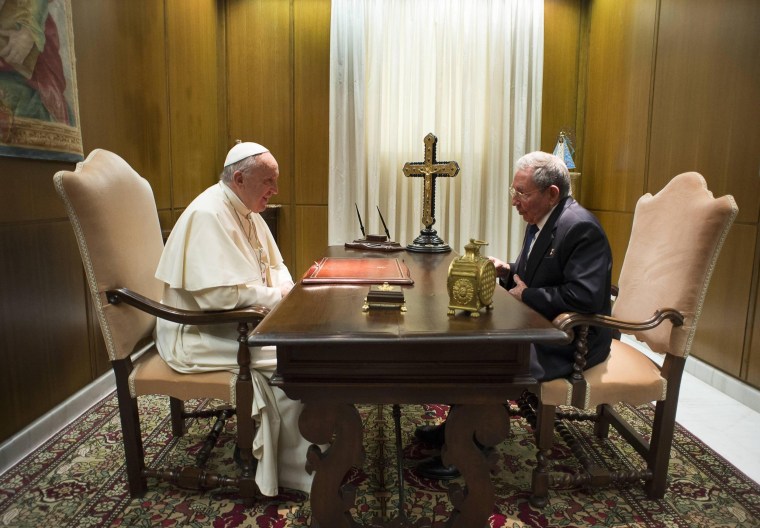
(332, 355)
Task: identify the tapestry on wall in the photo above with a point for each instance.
(39, 111)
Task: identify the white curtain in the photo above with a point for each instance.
(470, 72)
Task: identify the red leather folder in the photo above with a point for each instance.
(339, 270)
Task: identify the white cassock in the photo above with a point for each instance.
(221, 256)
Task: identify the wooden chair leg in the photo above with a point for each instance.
(602, 425)
(544, 439)
(130, 427)
(177, 408)
(245, 424)
(660, 444)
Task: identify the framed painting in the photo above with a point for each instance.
(39, 110)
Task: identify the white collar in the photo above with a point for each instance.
(541, 223)
(236, 202)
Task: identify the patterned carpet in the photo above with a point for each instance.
(77, 479)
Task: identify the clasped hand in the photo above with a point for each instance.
(502, 270)
(520, 286)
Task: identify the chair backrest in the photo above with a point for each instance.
(675, 242)
(113, 213)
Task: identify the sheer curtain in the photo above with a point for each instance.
(470, 72)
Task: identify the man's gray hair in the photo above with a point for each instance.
(548, 170)
(245, 164)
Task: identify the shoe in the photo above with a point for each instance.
(433, 435)
(239, 461)
(433, 468)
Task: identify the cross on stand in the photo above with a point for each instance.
(430, 169)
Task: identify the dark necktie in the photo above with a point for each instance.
(529, 236)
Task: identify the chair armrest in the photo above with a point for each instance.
(568, 321)
(252, 314)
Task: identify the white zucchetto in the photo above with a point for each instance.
(243, 150)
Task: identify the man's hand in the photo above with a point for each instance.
(502, 268)
(517, 291)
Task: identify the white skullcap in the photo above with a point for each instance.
(243, 150)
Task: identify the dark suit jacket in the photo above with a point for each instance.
(569, 270)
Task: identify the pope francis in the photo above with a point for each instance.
(221, 255)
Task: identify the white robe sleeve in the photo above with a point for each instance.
(240, 296)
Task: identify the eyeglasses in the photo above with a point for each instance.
(514, 193)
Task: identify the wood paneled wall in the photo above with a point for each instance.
(706, 93)
(670, 86)
(652, 88)
(561, 101)
(278, 87)
(168, 85)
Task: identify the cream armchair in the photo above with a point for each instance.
(114, 216)
(675, 241)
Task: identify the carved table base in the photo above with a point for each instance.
(322, 423)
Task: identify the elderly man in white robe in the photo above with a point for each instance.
(221, 255)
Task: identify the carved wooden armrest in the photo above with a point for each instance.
(252, 314)
(243, 317)
(568, 321)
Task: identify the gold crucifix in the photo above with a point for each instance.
(430, 169)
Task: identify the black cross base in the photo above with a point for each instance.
(428, 242)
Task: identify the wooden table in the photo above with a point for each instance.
(332, 355)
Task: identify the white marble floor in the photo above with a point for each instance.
(730, 428)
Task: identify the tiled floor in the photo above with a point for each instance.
(730, 428)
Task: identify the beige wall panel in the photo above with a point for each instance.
(192, 36)
(720, 333)
(707, 98)
(562, 29)
(617, 103)
(617, 226)
(311, 233)
(121, 75)
(311, 33)
(44, 348)
(260, 81)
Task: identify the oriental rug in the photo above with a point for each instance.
(77, 479)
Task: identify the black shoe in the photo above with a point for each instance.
(434, 469)
(433, 435)
(240, 464)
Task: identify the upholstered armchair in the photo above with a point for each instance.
(115, 221)
(675, 241)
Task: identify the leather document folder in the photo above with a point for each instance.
(339, 270)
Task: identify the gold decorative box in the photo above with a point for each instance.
(385, 296)
(471, 281)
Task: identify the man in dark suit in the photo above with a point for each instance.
(565, 266)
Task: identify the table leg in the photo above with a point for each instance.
(340, 426)
(490, 425)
